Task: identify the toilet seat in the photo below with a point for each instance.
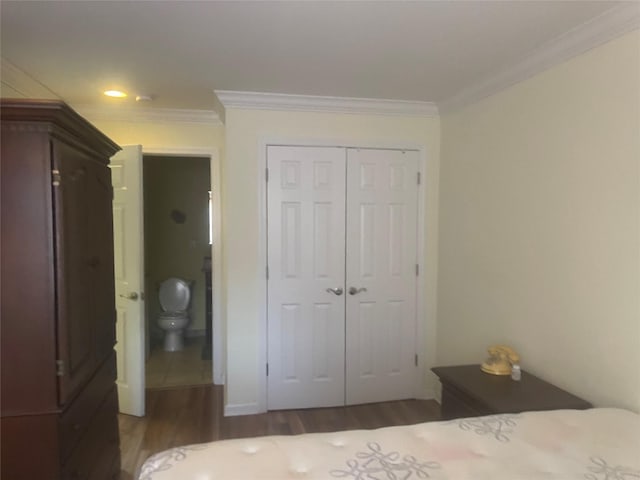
(174, 295)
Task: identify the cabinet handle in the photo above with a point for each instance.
(336, 291)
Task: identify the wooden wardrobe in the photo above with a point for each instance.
(58, 402)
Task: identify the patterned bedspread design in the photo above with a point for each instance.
(596, 444)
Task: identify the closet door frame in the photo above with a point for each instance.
(423, 324)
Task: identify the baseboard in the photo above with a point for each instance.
(241, 409)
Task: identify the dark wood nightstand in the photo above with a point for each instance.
(469, 392)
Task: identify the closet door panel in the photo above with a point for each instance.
(380, 265)
(305, 234)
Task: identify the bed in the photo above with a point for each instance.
(595, 444)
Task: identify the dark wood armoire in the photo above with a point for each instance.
(58, 401)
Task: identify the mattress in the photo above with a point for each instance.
(596, 444)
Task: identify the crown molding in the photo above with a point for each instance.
(150, 115)
(23, 83)
(311, 103)
(609, 25)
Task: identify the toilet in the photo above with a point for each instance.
(174, 295)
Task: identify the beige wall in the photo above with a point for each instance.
(162, 135)
(7, 91)
(176, 249)
(160, 138)
(539, 226)
(245, 129)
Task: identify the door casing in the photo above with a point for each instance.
(218, 325)
(422, 322)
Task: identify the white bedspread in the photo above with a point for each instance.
(597, 444)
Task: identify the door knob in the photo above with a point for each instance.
(336, 291)
(131, 296)
(354, 290)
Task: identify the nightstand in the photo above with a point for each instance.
(469, 392)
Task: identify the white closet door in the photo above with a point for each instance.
(306, 249)
(381, 265)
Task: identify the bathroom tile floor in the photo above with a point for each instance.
(173, 369)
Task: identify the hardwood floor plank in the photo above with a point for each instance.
(188, 415)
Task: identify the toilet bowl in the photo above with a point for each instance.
(174, 296)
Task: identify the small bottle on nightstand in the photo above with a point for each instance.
(516, 373)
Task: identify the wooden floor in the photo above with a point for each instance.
(192, 415)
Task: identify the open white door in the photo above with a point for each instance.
(128, 230)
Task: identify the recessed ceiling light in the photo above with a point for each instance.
(115, 93)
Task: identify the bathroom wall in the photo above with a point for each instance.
(176, 184)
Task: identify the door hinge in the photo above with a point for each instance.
(267, 369)
(266, 174)
(55, 177)
(267, 270)
(415, 359)
(418, 178)
(60, 368)
(417, 269)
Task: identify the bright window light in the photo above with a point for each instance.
(210, 220)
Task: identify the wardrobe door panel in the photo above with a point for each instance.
(73, 222)
(27, 347)
(101, 244)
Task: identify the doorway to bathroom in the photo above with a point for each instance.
(177, 244)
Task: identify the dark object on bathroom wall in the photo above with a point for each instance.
(207, 348)
(178, 216)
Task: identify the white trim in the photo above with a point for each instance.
(218, 323)
(233, 410)
(263, 357)
(218, 326)
(23, 83)
(597, 31)
(146, 114)
(156, 150)
(426, 357)
(424, 354)
(338, 142)
(312, 103)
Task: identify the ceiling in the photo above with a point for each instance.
(180, 52)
